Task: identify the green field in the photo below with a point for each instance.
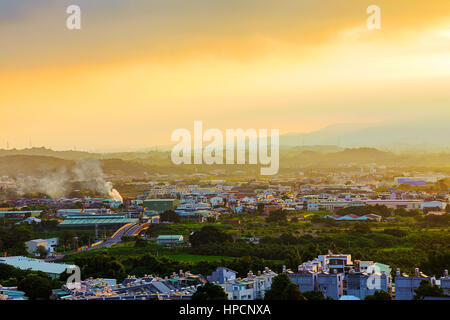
(128, 250)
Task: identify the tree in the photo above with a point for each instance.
(36, 287)
(209, 234)
(293, 259)
(436, 263)
(42, 251)
(283, 289)
(10, 282)
(101, 266)
(210, 291)
(277, 216)
(361, 228)
(314, 295)
(426, 289)
(170, 216)
(260, 208)
(140, 242)
(379, 295)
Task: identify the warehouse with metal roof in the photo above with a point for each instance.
(52, 269)
(90, 221)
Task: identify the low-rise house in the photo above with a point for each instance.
(177, 287)
(29, 220)
(169, 240)
(11, 294)
(32, 245)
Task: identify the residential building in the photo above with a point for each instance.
(305, 280)
(331, 284)
(32, 245)
(222, 275)
(250, 288)
(362, 284)
(405, 284)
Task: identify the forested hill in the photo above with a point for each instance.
(40, 161)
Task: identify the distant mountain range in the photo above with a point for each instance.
(419, 136)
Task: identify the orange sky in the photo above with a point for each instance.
(140, 69)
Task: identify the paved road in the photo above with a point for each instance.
(126, 230)
(117, 237)
(130, 231)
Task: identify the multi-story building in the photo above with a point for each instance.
(306, 280)
(250, 288)
(336, 262)
(445, 282)
(331, 284)
(362, 284)
(405, 285)
(222, 275)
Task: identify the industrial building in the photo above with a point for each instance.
(160, 205)
(111, 221)
(53, 270)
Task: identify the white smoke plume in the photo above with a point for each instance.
(113, 193)
(54, 184)
(88, 171)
